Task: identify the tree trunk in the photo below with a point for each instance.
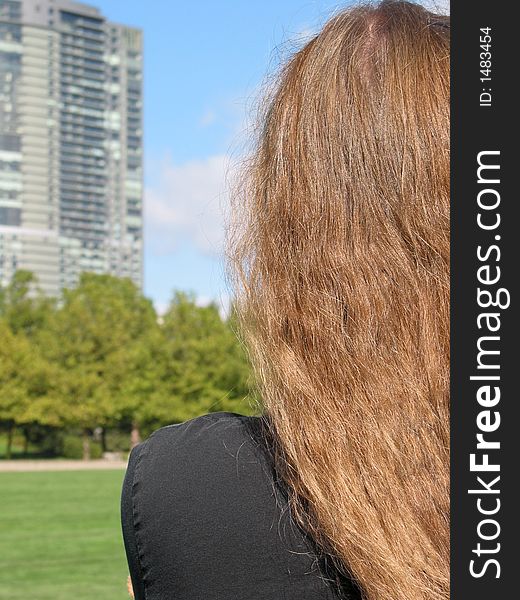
(103, 440)
(135, 435)
(9, 447)
(25, 442)
(86, 444)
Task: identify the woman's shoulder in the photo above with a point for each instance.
(216, 450)
(201, 497)
(207, 437)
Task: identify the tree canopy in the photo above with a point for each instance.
(100, 357)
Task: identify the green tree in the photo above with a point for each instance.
(92, 337)
(23, 306)
(142, 400)
(26, 379)
(26, 384)
(206, 369)
(101, 359)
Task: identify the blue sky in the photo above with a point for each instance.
(204, 64)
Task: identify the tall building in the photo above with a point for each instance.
(71, 185)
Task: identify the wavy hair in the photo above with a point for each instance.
(340, 255)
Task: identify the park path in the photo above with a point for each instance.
(19, 466)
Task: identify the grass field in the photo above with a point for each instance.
(60, 537)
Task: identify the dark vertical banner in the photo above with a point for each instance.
(485, 371)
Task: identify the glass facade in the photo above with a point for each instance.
(70, 143)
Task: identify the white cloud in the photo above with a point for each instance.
(187, 201)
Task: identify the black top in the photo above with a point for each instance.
(204, 518)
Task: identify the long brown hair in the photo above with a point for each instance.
(340, 245)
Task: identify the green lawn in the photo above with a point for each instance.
(60, 537)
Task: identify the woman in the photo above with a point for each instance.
(341, 255)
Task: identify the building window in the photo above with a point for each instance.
(10, 216)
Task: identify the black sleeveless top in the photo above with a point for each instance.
(204, 518)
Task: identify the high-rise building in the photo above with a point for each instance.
(71, 185)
